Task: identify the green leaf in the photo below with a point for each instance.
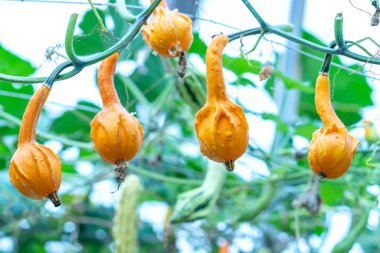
(151, 78)
(92, 40)
(293, 84)
(305, 130)
(198, 46)
(75, 124)
(11, 64)
(331, 192)
(244, 81)
(8, 102)
(241, 66)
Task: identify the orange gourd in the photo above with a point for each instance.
(221, 126)
(117, 134)
(332, 149)
(169, 33)
(34, 169)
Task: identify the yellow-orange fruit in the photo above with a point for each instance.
(34, 169)
(169, 32)
(221, 126)
(331, 150)
(117, 134)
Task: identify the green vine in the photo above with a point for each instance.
(81, 62)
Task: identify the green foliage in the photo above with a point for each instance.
(74, 124)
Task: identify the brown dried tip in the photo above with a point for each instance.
(230, 165)
(55, 199)
(121, 171)
(322, 175)
(265, 72)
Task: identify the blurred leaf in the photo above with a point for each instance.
(8, 102)
(305, 130)
(244, 81)
(151, 77)
(11, 64)
(293, 84)
(75, 124)
(331, 192)
(241, 66)
(198, 46)
(92, 40)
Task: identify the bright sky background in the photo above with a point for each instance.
(28, 29)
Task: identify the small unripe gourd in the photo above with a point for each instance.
(34, 169)
(221, 126)
(117, 134)
(331, 150)
(169, 32)
(125, 222)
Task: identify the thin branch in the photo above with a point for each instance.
(104, 29)
(324, 49)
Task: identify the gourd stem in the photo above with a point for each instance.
(326, 64)
(55, 199)
(264, 25)
(31, 114)
(106, 74)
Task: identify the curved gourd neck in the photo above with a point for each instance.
(216, 88)
(323, 104)
(31, 115)
(106, 74)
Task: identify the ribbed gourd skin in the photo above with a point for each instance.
(117, 135)
(168, 33)
(35, 171)
(221, 126)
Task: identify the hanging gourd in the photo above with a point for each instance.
(332, 149)
(117, 134)
(35, 170)
(221, 126)
(169, 33)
